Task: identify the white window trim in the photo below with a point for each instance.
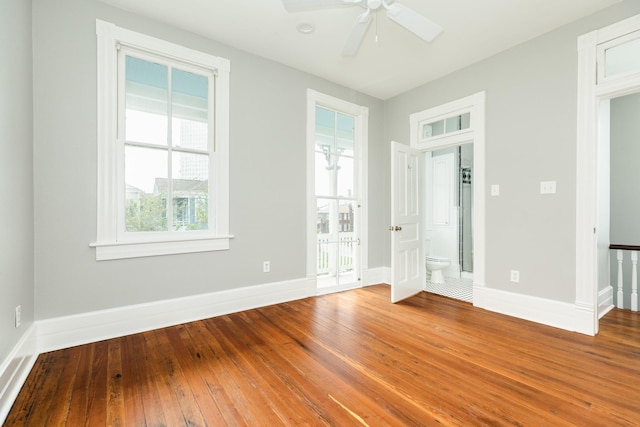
(107, 244)
(361, 114)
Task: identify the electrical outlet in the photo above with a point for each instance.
(266, 266)
(547, 187)
(18, 317)
(515, 276)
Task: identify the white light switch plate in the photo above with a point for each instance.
(495, 190)
(547, 187)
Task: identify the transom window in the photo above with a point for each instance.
(619, 57)
(446, 125)
(162, 147)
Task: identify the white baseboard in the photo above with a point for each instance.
(605, 301)
(374, 276)
(68, 331)
(558, 314)
(15, 369)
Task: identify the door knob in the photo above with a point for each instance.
(396, 228)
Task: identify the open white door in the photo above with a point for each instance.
(407, 266)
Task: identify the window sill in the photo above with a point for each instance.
(121, 250)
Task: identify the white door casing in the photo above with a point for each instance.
(594, 88)
(407, 264)
(475, 134)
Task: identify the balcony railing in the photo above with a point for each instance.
(335, 253)
(620, 256)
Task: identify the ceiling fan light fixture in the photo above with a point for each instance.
(306, 28)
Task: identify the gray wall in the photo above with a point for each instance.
(16, 172)
(267, 171)
(530, 137)
(625, 170)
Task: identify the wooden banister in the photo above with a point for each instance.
(624, 247)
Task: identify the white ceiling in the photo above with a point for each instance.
(399, 61)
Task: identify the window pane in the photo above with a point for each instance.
(465, 121)
(189, 96)
(190, 181)
(324, 213)
(146, 189)
(433, 129)
(452, 124)
(346, 216)
(325, 129)
(345, 177)
(345, 134)
(623, 58)
(324, 175)
(325, 247)
(146, 101)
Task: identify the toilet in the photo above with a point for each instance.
(435, 265)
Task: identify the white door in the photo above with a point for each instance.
(407, 264)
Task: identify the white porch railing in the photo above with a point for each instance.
(620, 251)
(341, 250)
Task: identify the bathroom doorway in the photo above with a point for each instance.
(448, 221)
(457, 128)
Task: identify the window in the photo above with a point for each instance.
(619, 57)
(162, 147)
(446, 126)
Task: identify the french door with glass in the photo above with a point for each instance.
(336, 197)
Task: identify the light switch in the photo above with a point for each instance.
(547, 187)
(495, 190)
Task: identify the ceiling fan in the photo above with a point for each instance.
(422, 27)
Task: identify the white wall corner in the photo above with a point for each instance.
(563, 315)
(68, 331)
(375, 276)
(15, 369)
(605, 301)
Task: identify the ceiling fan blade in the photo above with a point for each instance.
(302, 5)
(357, 33)
(422, 27)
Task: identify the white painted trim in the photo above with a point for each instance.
(476, 105)
(540, 310)
(605, 301)
(590, 94)
(68, 331)
(361, 115)
(112, 250)
(112, 243)
(15, 369)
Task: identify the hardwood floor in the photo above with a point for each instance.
(346, 359)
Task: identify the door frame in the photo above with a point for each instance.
(591, 119)
(361, 115)
(475, 104)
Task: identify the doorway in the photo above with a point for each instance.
(447, 126)
(448, 220)
(336, 223)
(610, 55)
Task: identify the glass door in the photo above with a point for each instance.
(336, 199)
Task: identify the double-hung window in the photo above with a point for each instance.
(162, 147)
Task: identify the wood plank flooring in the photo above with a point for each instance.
(345, 359)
